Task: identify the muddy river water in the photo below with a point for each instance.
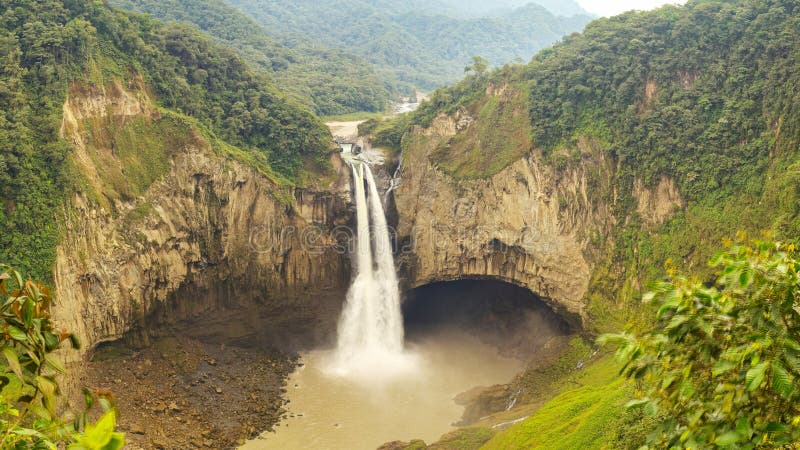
(329, 411)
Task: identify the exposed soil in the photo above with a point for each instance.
(344, 129)
(180, 393)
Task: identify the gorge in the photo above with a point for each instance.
(237, 281)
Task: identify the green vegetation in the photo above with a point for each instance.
(28, 386)
(498, 137)
(48, 46)
(704, 95)
(328, 81)
(421, 44)
(585, 416)
(722, 365)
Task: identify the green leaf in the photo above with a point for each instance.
(13, 361)
(782, 381)
(637, 403)
(27, 311)
(776, 427)
(74, 341)
(745, 276)
(52, 361)
(722, 367)
(743, 428)
(729, 438)
(677, 321)
(48, 387)
(756, 375)
(17, 334)
(100, 436)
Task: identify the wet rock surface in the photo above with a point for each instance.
(180, 393)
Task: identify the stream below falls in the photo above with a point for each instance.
(330, 411)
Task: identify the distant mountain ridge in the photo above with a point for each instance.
(327, 81)
(566, 8)
(420, 43)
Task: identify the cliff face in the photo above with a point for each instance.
(530, 224)
(149, 244)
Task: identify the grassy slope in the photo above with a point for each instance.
(585, 414)
(497, 138)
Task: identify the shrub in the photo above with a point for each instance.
(721, 368)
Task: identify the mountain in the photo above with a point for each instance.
(703, 96)
(329, 81)
(53, 48)
(473, 8)
(423, 46)
(614, 158)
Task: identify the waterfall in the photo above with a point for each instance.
(371, 325)
(385, 274)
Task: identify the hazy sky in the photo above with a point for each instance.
(612, 7)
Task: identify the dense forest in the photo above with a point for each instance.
(477, 8)
(46, 45)
(328, 81)
(416, 42)
(705, 94)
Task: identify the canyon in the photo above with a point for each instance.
(217, 252)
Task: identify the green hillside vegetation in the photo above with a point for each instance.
(325, 80)
(496, 139)
(704, 94)
(481, 8)
(414, 43)
(47, 45)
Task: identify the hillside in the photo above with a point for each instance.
(651, 139)
(473, 8)
(423, 46)
(50, 48)
(714, 111)
(326, 80)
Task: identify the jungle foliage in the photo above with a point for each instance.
(326, 80)
(28, 370)
(418, 43)
(721, 366)
(46, 45)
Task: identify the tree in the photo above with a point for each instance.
(722, 366)
(479, 65)
(28, 386)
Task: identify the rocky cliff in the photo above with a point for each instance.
(535, 223)
(169, 226)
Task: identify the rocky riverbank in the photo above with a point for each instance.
(180, 393)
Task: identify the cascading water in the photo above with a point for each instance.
(371, 326)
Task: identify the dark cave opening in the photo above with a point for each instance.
(511, 318)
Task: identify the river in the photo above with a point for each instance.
(332, 412)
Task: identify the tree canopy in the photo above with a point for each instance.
(46, 45)
(326, 80)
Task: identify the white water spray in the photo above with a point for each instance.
(371, 327)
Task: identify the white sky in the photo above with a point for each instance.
(613, 7)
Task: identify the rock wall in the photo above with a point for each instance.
(531, 224)
(210, 235)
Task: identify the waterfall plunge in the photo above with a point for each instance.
(371, 327)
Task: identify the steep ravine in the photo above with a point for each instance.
(209, 233)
